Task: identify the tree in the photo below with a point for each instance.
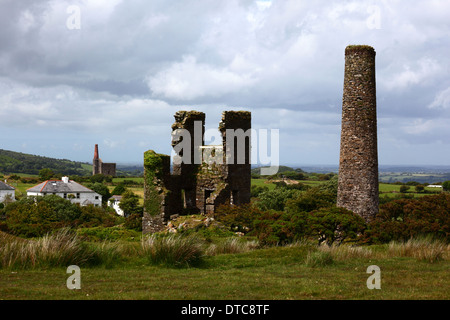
(404, 188)
(311, 199)
(275, 199)
(130, 203)
(46, 174)
(446, 185)
(255, 191)
(335, 224)
(119, 189)
(33, 217)
(419, 188)
(102, 190)
(97, 178)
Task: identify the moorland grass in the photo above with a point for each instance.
(125, 270)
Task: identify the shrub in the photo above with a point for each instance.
(134, 222)
(130, 203)
(119, 189)
(404, 188)
(292, 186)
(312, 199)
(420, 188)
(238, 218)
(334, 225)
(446, 185)
(403, 219)
(255, 191)
(92, 216)
(36, 216)
(109, 233)
(275, 199)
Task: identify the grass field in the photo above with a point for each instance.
(279, 273)
(298, 272)
(385, 188)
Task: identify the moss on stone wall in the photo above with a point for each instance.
(359, 48)
(154, 192)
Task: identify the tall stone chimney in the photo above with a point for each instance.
(96, 163)
(96, 152)
(358, 163)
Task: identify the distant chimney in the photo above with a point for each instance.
(65, 179)
(96, 152)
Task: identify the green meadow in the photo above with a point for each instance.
(298, 272)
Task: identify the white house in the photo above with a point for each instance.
(114, 202)
(6, 191)
(67, 189)
(434, 186)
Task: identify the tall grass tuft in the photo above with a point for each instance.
(345, 252)
(61, 248)
(319, 259)
(423, 249)
(173, 250)
(231, 245)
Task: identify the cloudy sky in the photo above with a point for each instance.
(113, 72)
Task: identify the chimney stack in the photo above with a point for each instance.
(96, 152)
(358, 165)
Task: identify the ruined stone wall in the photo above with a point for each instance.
(198, 186)
(185, 173)
(237, 171)
(156, 191)
(108, 169)
(99, 167)
(358, 163)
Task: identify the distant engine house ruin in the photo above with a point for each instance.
(100, 167)
(203, 176)
(358, 163)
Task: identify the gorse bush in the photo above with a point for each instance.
(330, 224)
(402, 219)
(37, 216)
(275, 199)
(312, 199)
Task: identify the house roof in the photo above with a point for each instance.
(116, 197)
(59, 186)
(4, 186)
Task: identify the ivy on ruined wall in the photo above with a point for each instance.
(153, 174)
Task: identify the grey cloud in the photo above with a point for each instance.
(285, 63)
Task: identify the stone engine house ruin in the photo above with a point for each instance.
(100, 167)
(358, 163)
(203, 176)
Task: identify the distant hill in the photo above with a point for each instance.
(17, 162)
(257, 171)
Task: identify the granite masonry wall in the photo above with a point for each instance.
(100, 167)
(197, 184)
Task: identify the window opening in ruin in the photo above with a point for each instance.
(234, 197)
(183, 198)
(208, 194)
